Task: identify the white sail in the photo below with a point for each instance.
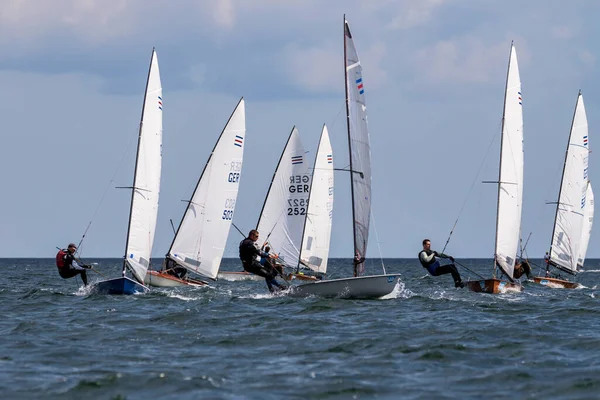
(146, 181)
(317, 227)
(200, 240)
(510, 185)
(568, 223)
(588, 220)
(282, 218)
(360, 147)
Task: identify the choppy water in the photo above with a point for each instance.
(233, 341)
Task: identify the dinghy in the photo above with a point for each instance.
(510, 189)
(144, 193)
(199, 242)
(356, 287)
(281, 220)
(574, 210)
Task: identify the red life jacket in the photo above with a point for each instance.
(60, 258)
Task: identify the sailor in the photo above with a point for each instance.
(172, 268)
(250, 256)
(358, 260)
(68, 266)
(547, 262)
(521, 268)
(428, 260)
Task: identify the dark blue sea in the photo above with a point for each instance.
(234, 341)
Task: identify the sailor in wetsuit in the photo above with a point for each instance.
(250, 257)
(68, 266)
(428, 260)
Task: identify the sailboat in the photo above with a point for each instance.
(282, 216)
(199, 242)
(358, 286)
(510, 188)
(314, 250)
(569, 233)
(144, 193)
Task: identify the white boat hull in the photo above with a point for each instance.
(239, 276)
(157, 279)
(362, 287)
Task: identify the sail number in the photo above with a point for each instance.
(228, 211)
(299, 184)
(235, 168)
(297, 206)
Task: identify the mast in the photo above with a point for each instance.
(189, 203)
(137, 155)
(562, 178)
(346, 84)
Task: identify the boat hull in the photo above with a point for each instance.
(302, 277)
(556, 283)
(159, 279)
(492, 286)
(239, 276)
(122, 285)
(362, 287)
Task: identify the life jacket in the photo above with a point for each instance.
(424, 263)
(60, 258)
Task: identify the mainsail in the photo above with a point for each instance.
(588, 220)
(146, 181)
(282, 217)
(200, 239)
(317, 226)
(568, 223)
(359, 148)
(510, 181)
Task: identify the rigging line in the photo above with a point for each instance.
(106, 191)
(471, 271)
(342, 107)
(378, 244)
(471, 188)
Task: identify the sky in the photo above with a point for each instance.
(73, 74)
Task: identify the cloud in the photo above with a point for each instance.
(587, 57)
(563, 32)
(415, 13)
(463, 60)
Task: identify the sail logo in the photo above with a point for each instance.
(297, 160)
(329, 159)
(160, 103)
(585, 141)
(585, 174)
(359, 86)
(520, 99)
(238, 141)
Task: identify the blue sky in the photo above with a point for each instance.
(73, 75)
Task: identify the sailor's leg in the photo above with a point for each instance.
(84, 277)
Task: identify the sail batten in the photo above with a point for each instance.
(317, 226)
(199, 242)
(359, 148)
(146, 181)
(567, 235)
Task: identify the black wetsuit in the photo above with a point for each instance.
(69, 270)
(172, 268)
(248, 254)
(428, 261)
